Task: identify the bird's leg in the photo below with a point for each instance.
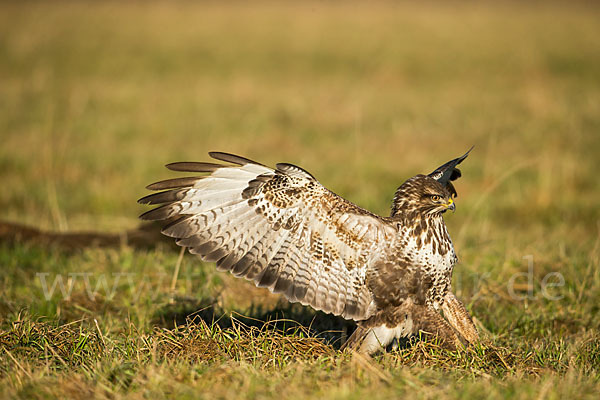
(459, 318)
(428, 321)
(355, 341)
(375, 333)
(369, 339)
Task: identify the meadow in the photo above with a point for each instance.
(95, 97)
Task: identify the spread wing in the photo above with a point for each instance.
(277, 227)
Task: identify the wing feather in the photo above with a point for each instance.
(277, 227)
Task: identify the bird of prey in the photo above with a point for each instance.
(283, 230)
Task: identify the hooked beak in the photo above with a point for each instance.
(450, 205)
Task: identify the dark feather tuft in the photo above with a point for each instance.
(448, 172)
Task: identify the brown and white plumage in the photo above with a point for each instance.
(283, 230)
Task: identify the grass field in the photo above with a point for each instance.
(95, 97)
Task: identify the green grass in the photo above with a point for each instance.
(96, 98)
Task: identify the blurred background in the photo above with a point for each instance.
(97, 96)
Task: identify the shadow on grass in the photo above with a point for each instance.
(283, 318)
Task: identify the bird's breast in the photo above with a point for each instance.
(430, 251)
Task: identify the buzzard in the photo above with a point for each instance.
(283, 230)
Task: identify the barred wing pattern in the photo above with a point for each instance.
(277, 227)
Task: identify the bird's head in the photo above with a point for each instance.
(424, 196)
(429, 195)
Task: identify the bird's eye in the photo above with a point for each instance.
(435, 198)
